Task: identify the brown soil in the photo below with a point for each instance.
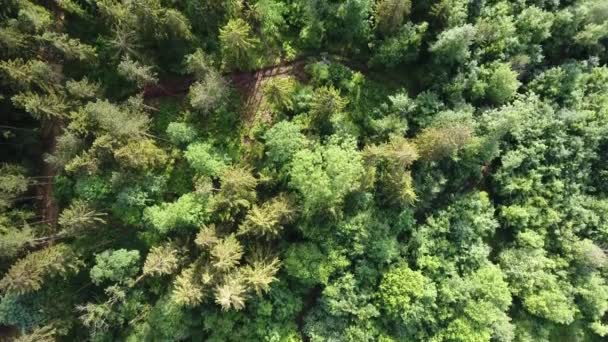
(247, 83)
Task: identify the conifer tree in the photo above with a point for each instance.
(187, 291)
(29, 273)
(260, 274)
(268, 219)
(161, 260)
(134, 71)
(237, 44)
(231, 294)
(390, 14)
(79, 217)
(226, 253)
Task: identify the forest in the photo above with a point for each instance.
(304, 170)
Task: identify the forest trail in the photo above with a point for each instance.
(250, 84)
(247, 83)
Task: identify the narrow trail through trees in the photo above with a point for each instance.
(247, 83)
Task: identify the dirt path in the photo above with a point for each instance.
(243, 81)
(250, 84)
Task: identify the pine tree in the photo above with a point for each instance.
(31, 73)
(79, 217)
(326, 104)
(397, 152)
(134, 71)
(227, 253)
(198, 64)
(161, 260)
(42, 106)
(124, 42)
(231, 294)
(392, 160)
(208, 94)
(390, 14)
(268, 219)
(122, 123)
(141, 154)
(29, 273)
(99, 318)
(186, 289)
(237, 192)
(13, 183)
(237, 44)
(260, 274)
(440, 142)
(279, 91)
(70, 48)
(45, 333)
(207, 237)
(67, 147)
(12, 238)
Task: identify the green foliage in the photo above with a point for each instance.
(452, 46)
(408, 295)
(451, 12)
(237, 44)
(274, 170)
(14, 310)
(390, 14)
(310, 265)
(141, 75)
(115, 266)
(268, 219)
(181, 133)
(203, 158)
(500, 83)
(283, 141)
(403, 47)
(141, 154)
(93, 188)
(326, 174)
(454, 239)
(165, 321)
(186, 211)
(208, 93)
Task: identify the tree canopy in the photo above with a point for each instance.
(304, 170)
